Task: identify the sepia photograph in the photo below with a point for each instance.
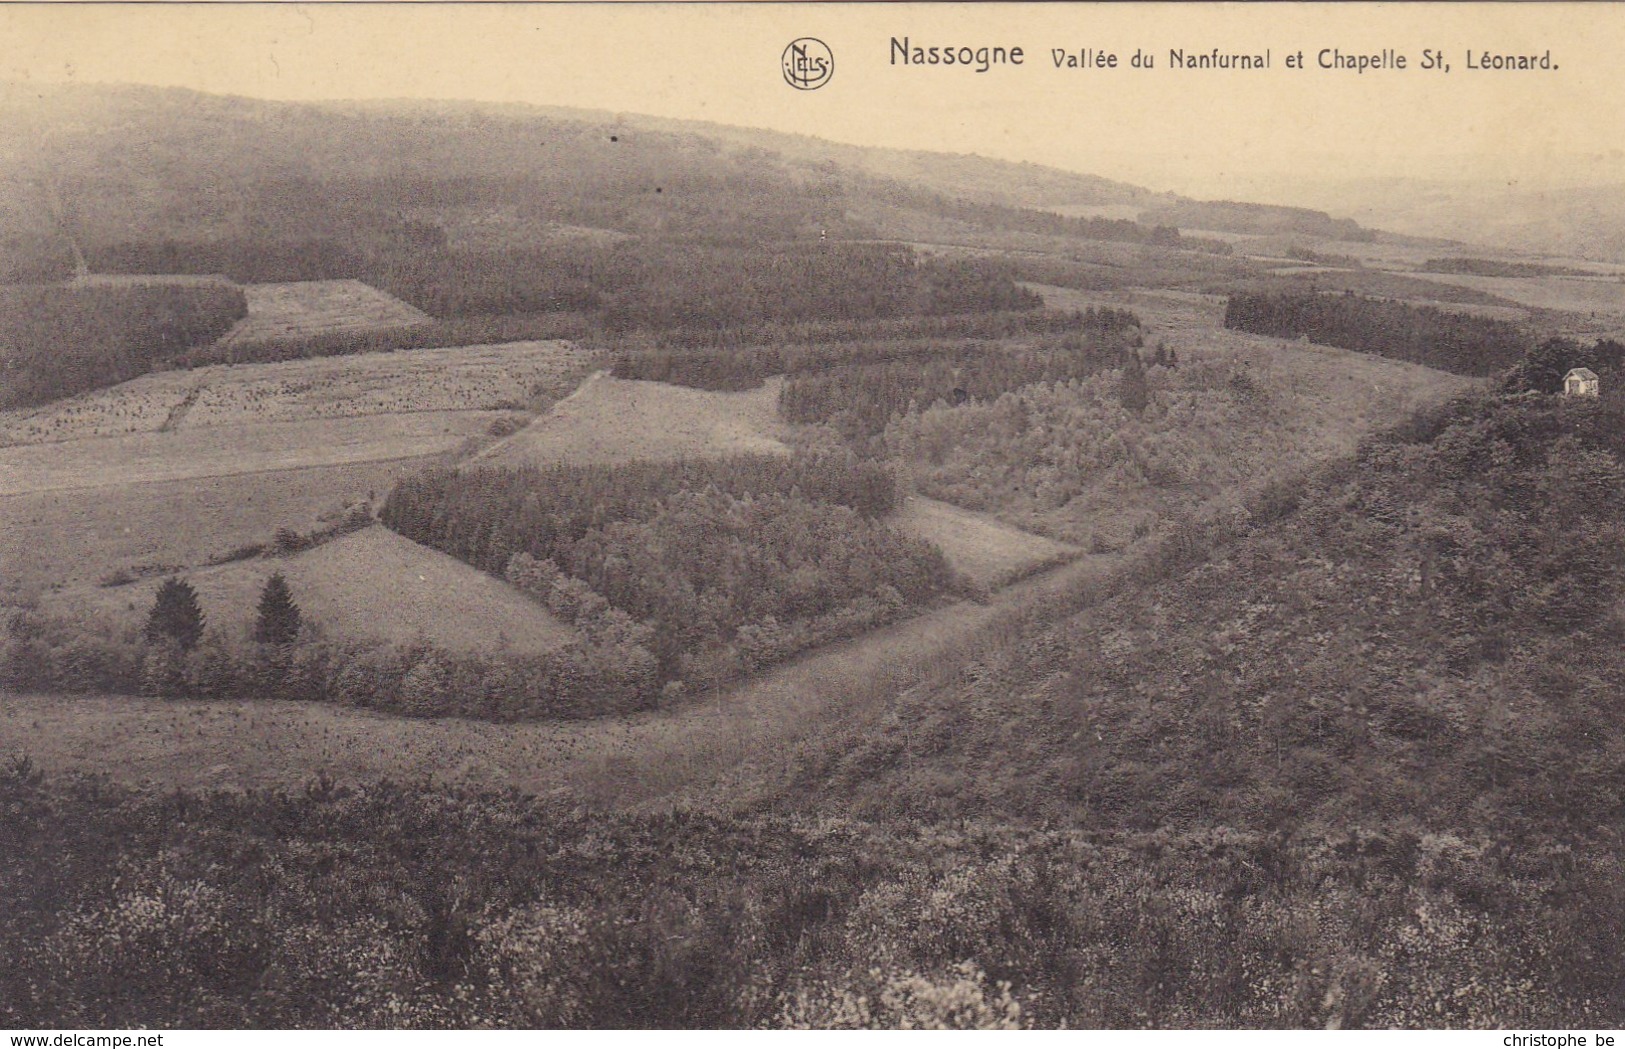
(811, 516)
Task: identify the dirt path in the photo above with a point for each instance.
(611, 761)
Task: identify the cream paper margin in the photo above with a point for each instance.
(1169, 129)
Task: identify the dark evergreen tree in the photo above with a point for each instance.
(176, 615)
(279, 617)
(1133, 390)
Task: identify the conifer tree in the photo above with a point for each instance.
(176, 614)
(1133, 390)
(279, 617)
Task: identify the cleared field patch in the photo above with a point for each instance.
(1567, 294)
(73, 536)
(369, 585)
(611, 420)
(301, 309)
(247, 448)
(989, 553)
(463, 378)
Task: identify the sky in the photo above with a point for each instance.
(1192, 131)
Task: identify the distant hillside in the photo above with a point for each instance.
(972, 177)
(1233, 217)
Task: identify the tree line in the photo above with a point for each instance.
(740, 358)
(1442, 339)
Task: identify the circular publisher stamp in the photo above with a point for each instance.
(808, 63)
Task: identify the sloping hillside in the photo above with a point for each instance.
(1390, 642)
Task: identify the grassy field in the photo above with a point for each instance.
(74, 536)
(256, 447)
(612, 420)
(989, 553)
(301, 309)
(463, 378)
(368, 585)
(178, 468)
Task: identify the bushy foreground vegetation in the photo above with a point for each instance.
(734, 563)
(57, 340)
(382, 905)
(1449, 341)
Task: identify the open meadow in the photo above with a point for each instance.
(609, 420)
(1583, 295)
(368, 585)
(988, 552)
(301, 309)
(247, 448)
(66, 537)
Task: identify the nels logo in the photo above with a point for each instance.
(808, 63)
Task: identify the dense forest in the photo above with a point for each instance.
(1502, 268)
(735, 562)
(1450, 341)
(859, 399)
(61, 339)
(1544, 368)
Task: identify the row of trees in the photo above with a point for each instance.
(1501, 268)
(746, 357)
(1447, 340)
